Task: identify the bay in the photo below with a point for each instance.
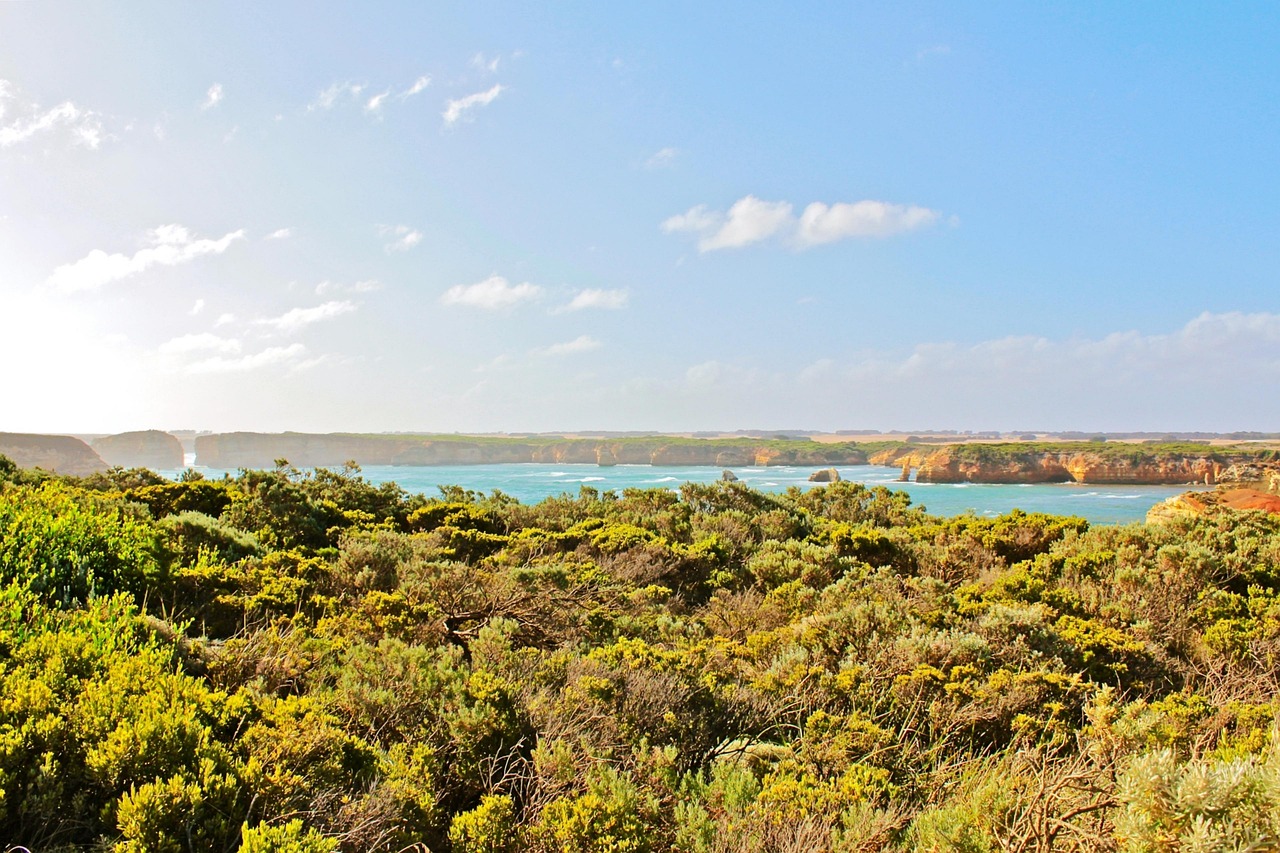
(533, 482)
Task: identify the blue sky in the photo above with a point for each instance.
(491, 216)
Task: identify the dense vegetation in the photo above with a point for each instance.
(302, 661)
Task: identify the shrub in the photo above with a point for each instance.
(68, 545)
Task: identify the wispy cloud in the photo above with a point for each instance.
(661, 159)
(269, 357)
(932, 50)
(488, 64)
(582, 343)
(170, 245)
(84, 126)
(612, 300)
(213, 97)
(326, 288)
(491, 294)
(418, 85)
(279, 234)
(196, 308)
(299, 318)
(374, 104)
(456, 109)
(752, 220)
(335, 93)
(403, 237)
(200, 343)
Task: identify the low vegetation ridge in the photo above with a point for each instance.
(256, 450)
(303, 661)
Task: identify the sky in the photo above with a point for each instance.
(430, 216)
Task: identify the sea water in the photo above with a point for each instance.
(532, 482)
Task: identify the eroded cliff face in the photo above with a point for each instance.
(62, 454)
(955, 465)
(146, 449)
(261, 450)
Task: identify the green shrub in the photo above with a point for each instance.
(291, 837)
(68, 545)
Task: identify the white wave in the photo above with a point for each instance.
(665, 480)
(591, 479)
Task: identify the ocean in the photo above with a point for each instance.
(530, 483)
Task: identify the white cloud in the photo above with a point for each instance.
(224, 320)
(374, 104)
(418, 85)
(484, 63)
(213, 98)
(202, 342)
(752, 220)
(405, 238)
(582, 343)
(821, 223)
(171, 245)
(298, 318)
(491, 294)
(338, 91)
(596, 298)
(695, 220)
(456, 109)
(325, 288)
(197, 308)
(269, 357)
(661, 159)
(83, 125)
(279, 234)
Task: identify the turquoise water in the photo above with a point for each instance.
(532, 482)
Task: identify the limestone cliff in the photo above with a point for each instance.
(147, 449)
(62, 454)
(305, 450)
(974, 463)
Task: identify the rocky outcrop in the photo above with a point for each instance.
(728, 476)
(1263, 476)
(1200, 503)
(826, 475)
(61, 454)
(147, 449)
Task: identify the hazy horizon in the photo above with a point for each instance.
(667, 218)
